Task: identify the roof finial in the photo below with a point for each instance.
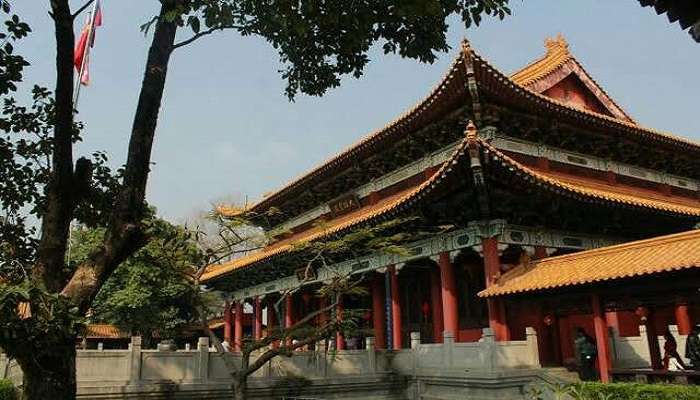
(472, 133)
(557, 43)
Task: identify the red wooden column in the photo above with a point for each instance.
(436, 304)
(540, 252)
(288, 314)
(496, 308)
(612, 319)
(544, 340)
(397, 338)
(238, 326)
(601, 338)
(322, 317)
(257, 327)
(339, 337)
(449, 294)
(272, 320)
(683, 321)
(227, 322)
(378, 314)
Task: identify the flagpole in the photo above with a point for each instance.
(86, 54)
(78, 85)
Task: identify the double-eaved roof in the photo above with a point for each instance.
(528, 89)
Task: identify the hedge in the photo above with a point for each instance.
(7, 390)
(634, 391)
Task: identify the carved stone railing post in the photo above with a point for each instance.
(415, 343)
(135, 360)
(3, 365)
(448, 344)
(644, 339)
(322, 357)
(203, 359)
(487, 348)
(415, 340)
(533, 348)
(371, 354)
(613, 338)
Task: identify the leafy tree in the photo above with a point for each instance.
(150, 292)
(236, 236)
(317, 42)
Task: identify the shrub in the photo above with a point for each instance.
(633, 391)
(7, 390)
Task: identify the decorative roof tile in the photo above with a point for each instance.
(629, 260)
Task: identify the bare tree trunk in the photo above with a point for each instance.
(240, 387)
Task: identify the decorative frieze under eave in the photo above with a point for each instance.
(505, 143)
(453, 242)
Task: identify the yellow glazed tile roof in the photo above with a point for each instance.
(104, 331)
(557, 54)
(558, 57)
(488, 78)
(634, 259)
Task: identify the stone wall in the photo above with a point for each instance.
(349, 374)
(629, 352)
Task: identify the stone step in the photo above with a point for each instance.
(562, 374)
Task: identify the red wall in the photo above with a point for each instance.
(573, 92)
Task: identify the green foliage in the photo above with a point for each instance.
(634, 391)
(618, 391)
(7, 390)
(46, 320)
(26, 150)
(319, 42)
(150, 292)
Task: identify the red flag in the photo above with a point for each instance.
(82, 53)
(79, 52)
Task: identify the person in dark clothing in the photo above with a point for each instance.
(586, 353)
(671, 352)
(692, 347)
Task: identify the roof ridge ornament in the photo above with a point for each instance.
(557, 43)
(472, 132)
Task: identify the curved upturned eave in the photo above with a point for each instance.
(491, 80)
(389, 210)
(452, 82)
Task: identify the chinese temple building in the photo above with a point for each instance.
(544, 205)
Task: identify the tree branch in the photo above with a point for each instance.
(204, 33)
(82, 8)
(272, 353)
(124, 231)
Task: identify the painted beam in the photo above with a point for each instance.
(469, 237)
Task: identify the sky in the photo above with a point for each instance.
(227, 132)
